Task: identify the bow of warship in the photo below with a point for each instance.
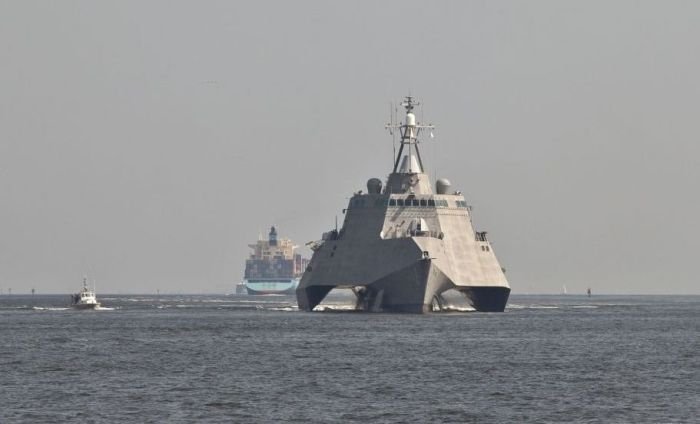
(402, 245)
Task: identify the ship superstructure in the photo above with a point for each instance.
(402, 245)
(273, 267)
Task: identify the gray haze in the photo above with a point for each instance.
(147, 143)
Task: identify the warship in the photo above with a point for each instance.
(402, 245)
(273, 267)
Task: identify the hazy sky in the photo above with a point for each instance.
(146, 143)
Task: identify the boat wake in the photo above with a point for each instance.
(285, 309)
(454, 308)
(334, 308)
(41, 308)
(516, 306)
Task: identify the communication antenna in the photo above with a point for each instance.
(395, 120)
(410, 130)
(390, 126)
(435, 158)
(431, 131)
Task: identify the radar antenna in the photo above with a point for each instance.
(409, 131)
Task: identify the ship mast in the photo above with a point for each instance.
(409, 131)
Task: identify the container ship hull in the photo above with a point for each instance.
(271, 286)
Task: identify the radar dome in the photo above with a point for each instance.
(374, 186)
(410, 119)
(442, 185)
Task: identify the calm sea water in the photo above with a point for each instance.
(257, 359)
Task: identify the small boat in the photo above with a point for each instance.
(240, 288)
(85, 299)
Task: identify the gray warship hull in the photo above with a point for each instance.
(398, 293)
(408, 273)
(403, 245)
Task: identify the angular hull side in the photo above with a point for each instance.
(409, 290)
(487, 299)
(309, 297)
(418, 289)
(348, 264)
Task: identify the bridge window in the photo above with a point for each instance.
(431, 202)
(392, 202)
(415, 202)
(399, 202)
(423, 202)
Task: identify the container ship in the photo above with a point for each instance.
(273, 267)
